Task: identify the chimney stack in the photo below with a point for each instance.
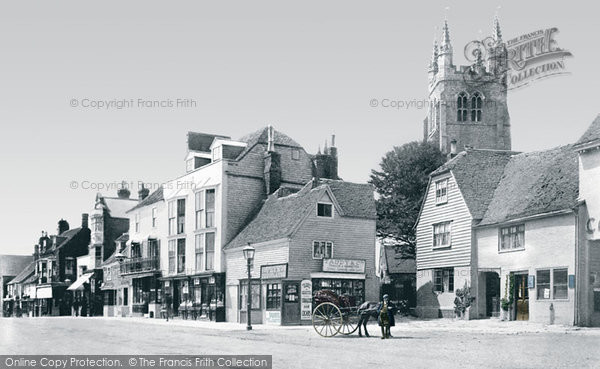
(123, 192)
(453, 150)
(143, 192)
(325, 165)
(270, 139)
(84, 220)
(63, 226)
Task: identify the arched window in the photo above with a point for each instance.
(461, 107)
(476, 105)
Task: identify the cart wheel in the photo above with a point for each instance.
(327, 319)
(349, 323)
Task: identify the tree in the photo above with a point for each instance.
(401, 186)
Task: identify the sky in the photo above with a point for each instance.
(308, 68)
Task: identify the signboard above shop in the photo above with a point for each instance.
(344, 265)
(276, 271)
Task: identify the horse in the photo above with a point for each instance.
(365, 311)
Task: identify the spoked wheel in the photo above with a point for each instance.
(327, 319)
(349, 323)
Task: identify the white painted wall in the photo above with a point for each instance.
(549, 243)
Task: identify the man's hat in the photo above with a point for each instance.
(386, 296)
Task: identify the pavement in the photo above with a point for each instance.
(439, 343)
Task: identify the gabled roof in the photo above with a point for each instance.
(477, 174)
(535, 183)
(67, 236)
(279, 217)
(355, 199)
(591, 134)
(117, 207)
(154, 197)
(201, 141)
(261, 137)
(396, 262)
(24, 274)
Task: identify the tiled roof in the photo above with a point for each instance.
(356, 199)
(117, 207)
(535, 183)
(24, 274)
(396, 262)
(201, 141)
(280, 216)
(591, 134)
(477, 173)
(154, 197)
(261, 137)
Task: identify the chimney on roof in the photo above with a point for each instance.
(270, 139)
(84, 220)
(123, 192)
(453, 150)
(143, 192)
(63, 226)
(325, 165)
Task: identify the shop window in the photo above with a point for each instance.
(109, 297)
(322, 250)
(355, 288)
(442, 235)
(210, 250)
(273, 296)
(325, 210)
(255, 295)
(561, 284)
(441, 191)
(596, 300)
(443, 280)
(125, 296)
(512, 238)
(138, 291)
(543, 284)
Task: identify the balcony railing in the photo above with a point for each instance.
(138, 265)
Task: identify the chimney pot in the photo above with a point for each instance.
(84, 220)
(453, 147)
(123, 192)
(332, 140)
(143, 192)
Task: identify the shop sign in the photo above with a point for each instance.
(306, 299)
(344, 265)
(196, 281)
(167, 283)
(276, 271)
(273, 317)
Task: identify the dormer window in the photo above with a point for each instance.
(217, 153)
(441, 191)
(325, 210)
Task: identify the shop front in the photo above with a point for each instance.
(278, 300)
(199, 296)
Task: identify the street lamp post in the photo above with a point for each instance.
(249, 255)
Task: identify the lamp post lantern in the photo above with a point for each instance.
(249, 256)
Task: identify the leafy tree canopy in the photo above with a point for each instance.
(401, 183)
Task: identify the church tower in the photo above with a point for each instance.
(468, 105)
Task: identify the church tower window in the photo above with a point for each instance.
(461, 107)
(476, 107)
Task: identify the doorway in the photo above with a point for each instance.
(291, 303)
(492, 294)
(521, 296)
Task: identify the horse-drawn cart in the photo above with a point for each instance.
(334, 314)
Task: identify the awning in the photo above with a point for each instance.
(331, 275)
(78, 284)
(44, 292)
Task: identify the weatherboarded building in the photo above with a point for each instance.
(320, 237)
(518, 230)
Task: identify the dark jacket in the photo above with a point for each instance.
(390, 312)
